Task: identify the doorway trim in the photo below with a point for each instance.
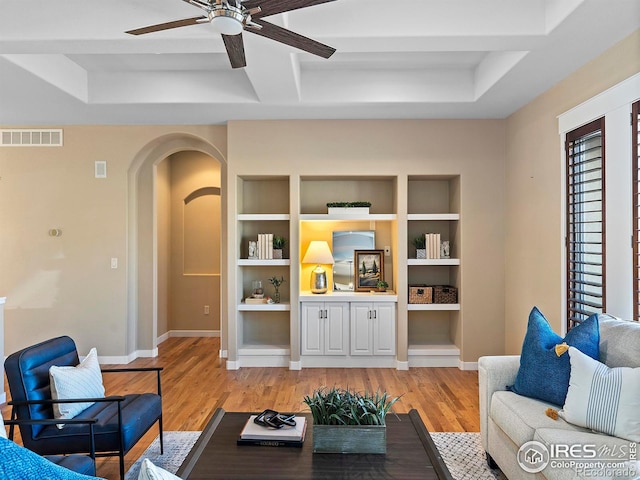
(142, 239)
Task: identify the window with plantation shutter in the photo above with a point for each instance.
(585, 240)
(635, 143)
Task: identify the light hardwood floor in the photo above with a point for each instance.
(195, 382)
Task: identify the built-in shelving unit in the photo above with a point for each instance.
(434, 330)
(263, 330)
(402, 207)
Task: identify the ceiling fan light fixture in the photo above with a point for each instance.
(227, 21)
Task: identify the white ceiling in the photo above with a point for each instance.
(70, 62)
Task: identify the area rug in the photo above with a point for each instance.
(462, 452)
(464, 456)
(177, 446)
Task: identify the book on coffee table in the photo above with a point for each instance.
(253, 434)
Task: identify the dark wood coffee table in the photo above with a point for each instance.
(411, 454)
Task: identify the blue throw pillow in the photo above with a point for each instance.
(18, 463)
(543, 374)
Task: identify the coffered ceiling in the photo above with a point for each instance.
(70, 62)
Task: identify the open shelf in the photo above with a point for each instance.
(433, 306)
(265, 307)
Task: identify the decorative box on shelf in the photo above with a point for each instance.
(445, 294)
(420, 294)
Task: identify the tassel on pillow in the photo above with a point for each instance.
(561, 348)
(552, 413)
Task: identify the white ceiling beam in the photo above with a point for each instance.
(56, 70)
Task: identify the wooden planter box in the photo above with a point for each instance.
(349, 439)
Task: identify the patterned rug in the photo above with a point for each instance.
(177, 446)
(462, 452)
(464, 456)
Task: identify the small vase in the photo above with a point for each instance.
(421, 253)
(276, 297)
(277, 253)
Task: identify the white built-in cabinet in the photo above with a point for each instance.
(373, 328)
(324, 328)
(340, 329)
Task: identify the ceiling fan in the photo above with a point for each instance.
(231, 17)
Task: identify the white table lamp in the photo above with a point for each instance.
(320, 254)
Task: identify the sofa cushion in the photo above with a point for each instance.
(149, 471)
(519, 417)
(543, 374)
(619, 340)
(604, 399)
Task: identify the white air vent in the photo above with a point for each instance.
(31, 138)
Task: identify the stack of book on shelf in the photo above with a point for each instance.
(254, 434)
(265, 246)
(432, 245)
(255, 301)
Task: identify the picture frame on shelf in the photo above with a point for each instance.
(343, 245)
(369, 269)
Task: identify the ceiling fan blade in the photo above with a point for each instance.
(235, 50)
(282, 35)
(272, 7)
(166, 26)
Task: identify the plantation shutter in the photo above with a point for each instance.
(635, 143)
(585, 240)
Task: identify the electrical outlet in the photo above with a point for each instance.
(206, 309)
(114, 262)
(387, 251)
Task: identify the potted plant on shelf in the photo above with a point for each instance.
(346, 421)
(382, 286)
(348, 208)
(278, 246)
(276, 282)
(420, 244)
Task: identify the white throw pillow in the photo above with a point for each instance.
(149, 471)
(81, 381)
(603, 399)
(3, 430)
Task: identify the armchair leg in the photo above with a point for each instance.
(121, 455)
(161, 436)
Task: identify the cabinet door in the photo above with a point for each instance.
(336, 328)
(311, 328)
(384, 333)
(361, 328)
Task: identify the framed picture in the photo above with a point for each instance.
(369, 266)
(344, 244)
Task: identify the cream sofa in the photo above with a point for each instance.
(508, 420)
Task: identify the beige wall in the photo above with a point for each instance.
(195, 244)
(473, 149)
(534, 182)
(65, 285)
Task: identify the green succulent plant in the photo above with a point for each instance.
(337, 406)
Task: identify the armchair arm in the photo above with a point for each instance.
(494, 374)
(50, 401)
(137, 369)
(57, 421)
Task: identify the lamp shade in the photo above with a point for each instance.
(318, 253)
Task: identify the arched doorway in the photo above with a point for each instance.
(143, 273)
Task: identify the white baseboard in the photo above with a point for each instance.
(402, 365)
(295, 365)
(233, 365)
(224, 354)
(468, 365)
(191, 333)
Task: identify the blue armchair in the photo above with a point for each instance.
(120, 420)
